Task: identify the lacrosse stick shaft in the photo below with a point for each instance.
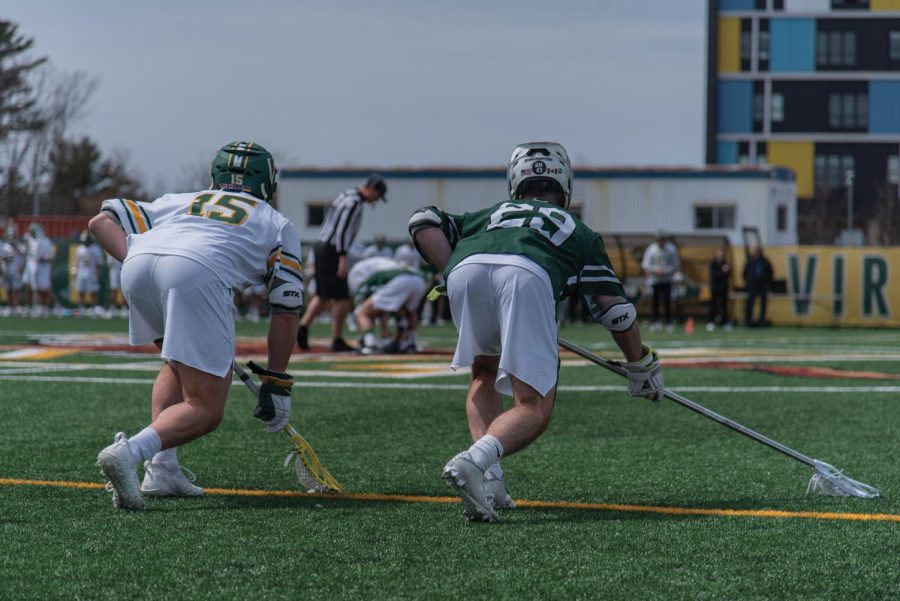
(696, 407)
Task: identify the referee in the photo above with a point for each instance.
(334, 240)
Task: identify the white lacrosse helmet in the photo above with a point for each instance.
(537, 164)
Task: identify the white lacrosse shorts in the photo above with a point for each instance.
(505, 310)
(37, 276)
(402, 291)
(87, 283)
(184, 303)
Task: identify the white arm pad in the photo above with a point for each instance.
(618, 317)
(285, 297)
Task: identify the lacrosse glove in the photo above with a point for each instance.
(644, 378)
(274, 403)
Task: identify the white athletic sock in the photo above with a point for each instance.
(369, 339)
(145, 444)
(167, 459)
(496, 471)
(486, 451)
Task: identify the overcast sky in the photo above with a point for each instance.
(381, 83)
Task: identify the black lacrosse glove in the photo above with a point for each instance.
(274, 403)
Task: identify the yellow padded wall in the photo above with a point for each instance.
(729, 54)
(799, 156)
(884, 5)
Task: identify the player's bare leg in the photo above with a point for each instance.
(316, 305)
(200, 413)
(164, 476)
(339, 311)
(527, 419)
(483, 403)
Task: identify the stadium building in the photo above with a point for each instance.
(813, 85)
(712, 201)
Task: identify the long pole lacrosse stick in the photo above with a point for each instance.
(311, 474)
(828, 480)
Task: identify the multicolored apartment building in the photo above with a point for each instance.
(813, 85)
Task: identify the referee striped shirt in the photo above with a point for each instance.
(342, 221)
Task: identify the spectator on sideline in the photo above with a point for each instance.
(758, 278)
(332, 264)
(719, 277)
(660, 262)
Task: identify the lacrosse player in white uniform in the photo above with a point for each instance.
(38, 265)
(87, 273)
(183, 254)
(506, 266)
(382, 286)
(12, 254)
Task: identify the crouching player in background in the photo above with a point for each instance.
(182, 256)
(505, 268)
(382, 286)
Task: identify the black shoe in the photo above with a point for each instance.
(303, 338)
(339, 345)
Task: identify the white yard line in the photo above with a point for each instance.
(461, 387)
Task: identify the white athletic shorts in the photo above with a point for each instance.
(12, 281)
(115, 277)
(87, 283)
(402, 291)
(505, 310)
(185, 304)
(37, 276)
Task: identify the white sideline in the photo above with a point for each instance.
(432, 386)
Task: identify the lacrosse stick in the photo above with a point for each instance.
(828, 480)
(312, 475)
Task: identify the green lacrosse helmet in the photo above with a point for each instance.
(244, 167)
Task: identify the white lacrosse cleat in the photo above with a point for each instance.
(160, 482)
(118, 465)
(467, 480)
(496, 492)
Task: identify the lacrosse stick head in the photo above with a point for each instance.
(831, 482)
(304, 476)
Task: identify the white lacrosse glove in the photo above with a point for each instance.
(274, 403)
(644, 378)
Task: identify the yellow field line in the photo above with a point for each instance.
(397, 498)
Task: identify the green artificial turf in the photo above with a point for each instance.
(602, 447)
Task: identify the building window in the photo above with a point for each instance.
(836, 48)
(714, 217)
(831, 169)
(848, 111)
(781, 218)
(777, 108)
(315, 214)
(763, 45)
(894, 45)
(893, 169)
(759, 107)
(746, 45)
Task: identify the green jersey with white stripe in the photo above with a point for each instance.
(572, 254)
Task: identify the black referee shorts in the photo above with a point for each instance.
(328, 285)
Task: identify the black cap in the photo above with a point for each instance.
(377, 183)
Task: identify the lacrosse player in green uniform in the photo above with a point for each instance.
(506, 266)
